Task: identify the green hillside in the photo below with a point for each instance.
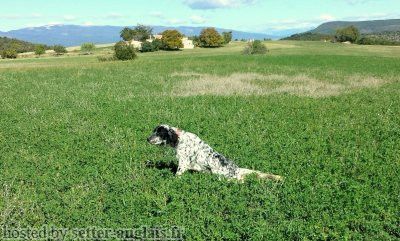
(365, 27)
(19, 45)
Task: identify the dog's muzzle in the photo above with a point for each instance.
(154, 140)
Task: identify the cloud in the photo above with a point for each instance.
(69, 17)
(88, 23)
(355, 2)
(197, 19)
(18, 16)
(213, 4)
(327, 17)
(157, 14)
(176, 21)
(114, 15)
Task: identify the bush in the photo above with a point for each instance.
(124, 51)
(106, 58)
(172, 40)
(157, 44)
(350, 34)
(147, 47)
(40, 49)
(255, 47)
(9, 54)
(210, 38)
(87, 48)
(59, 49)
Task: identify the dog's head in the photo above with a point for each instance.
(164, 135)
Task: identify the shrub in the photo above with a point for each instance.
(59, 49)
(124, 51)
(147, 47)
(255, 47)
(87, 48)
(106, 58)
(210, 38)
(9, 54)
(172, 40)
(40, 49)
(157, 44)
(350, 34)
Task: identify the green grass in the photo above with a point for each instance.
(73, 150)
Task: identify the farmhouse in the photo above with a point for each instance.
(187, 43)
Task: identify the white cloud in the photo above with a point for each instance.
(176, 21)
(212, 4)
(327, 17)
(195, 19)
(69, 17)
(114, 15)
(157, 14)
(88, 23)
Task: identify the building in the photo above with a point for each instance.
(187, 43)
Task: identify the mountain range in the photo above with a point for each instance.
(74, 35)
(365, 27)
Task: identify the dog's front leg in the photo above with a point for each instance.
(182, 167)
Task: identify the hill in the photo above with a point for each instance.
(365, 27)
(19, 45)
(73, 35)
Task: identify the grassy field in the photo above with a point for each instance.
(325, 116)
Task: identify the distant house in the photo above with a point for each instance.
(187, 43)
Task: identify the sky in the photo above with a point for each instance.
(263, 16)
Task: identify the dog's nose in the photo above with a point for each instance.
(148, 139)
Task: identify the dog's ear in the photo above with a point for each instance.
(172, 138)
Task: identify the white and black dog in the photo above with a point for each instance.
(194, 154)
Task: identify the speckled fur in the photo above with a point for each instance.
(194, 154)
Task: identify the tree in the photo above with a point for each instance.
(126, 34)
(9, 54)
(87, 48)
(227, 37)
(210, 38)
(255, 47)
(147, 47)
(141, 33)
(59, 49)
(350, 34)
(157, 44)
(40, 49)
(124, 51)
(172, 40)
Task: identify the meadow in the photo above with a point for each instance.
(73, 150)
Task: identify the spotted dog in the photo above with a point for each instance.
(194, 154)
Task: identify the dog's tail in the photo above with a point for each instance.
(243, 172)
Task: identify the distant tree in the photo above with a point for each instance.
(126, 34)
(227, 36)
(87, 48)
(255, 47)
(350, 34)
(40, 49)
(147, 47)
(172, 40)
(142, 33)
(124, 51)
(196, 40)
(9, 54)
(157, 44)
(59, 49)
(210, 38)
